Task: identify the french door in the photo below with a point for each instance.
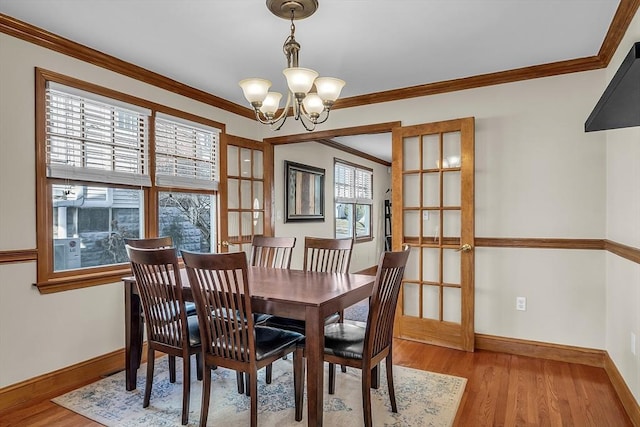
(246, 170)
(433, 213)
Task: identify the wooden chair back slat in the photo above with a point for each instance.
(221, 292)
(272, 252)
(386, 289)
(327, 255)
(160, 290)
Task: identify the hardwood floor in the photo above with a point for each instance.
(508, 390)
(502, 390)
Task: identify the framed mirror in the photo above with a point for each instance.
(304, 192)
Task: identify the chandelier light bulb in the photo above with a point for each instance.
(271, 103)
(329, 88)
(300, 80)
(313, 104)
(255, 90)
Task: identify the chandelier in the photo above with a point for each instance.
(310, 108)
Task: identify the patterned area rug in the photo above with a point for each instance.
(424, 399)
(358, 312)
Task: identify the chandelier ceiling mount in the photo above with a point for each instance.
(301, 8)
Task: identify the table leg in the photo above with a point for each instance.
(133, 335)
(314, 331)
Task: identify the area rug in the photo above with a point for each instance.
(424, 399)
(358, 312)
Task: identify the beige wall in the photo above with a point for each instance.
(537, 175)
(42, 333)
(623, 226)
(364, 254)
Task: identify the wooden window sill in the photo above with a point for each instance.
(66, 283)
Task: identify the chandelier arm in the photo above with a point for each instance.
(326, 117)
(282, 118)
(317, 120)
(260, 118)
(297, 109)
(302, 117)
(279, 126)
(308, 128)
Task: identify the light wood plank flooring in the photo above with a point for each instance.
(502, 390)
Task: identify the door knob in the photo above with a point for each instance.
(224, 244)
(464, 248)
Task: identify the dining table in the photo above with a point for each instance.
(297, 294)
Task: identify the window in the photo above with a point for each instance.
(353, 192)
(89, 232)
(89, 138)
(186, 158)
(98, 185)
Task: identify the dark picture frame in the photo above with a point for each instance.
(304, 192)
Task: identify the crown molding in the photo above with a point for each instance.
(619, 25)
(40, 37)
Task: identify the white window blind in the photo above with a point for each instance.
(352, 184)
(93, 138)
(186, 154)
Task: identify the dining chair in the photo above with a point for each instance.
(220, 284)
(324, 255)
(270, 252)
(327, 255)
(320, 255)
(349, 344)
(169, 329)
(190, 307)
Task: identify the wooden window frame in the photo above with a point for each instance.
(49, 281)
(356, 239)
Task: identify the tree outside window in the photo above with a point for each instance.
(95, 180)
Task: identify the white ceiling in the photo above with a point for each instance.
(374, 45)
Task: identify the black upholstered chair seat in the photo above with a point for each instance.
(295, 324)
(258, 318)
(190, 308)
(271, 341)
(261, 318)
(345, 339)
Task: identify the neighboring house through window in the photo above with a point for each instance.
(104, 179)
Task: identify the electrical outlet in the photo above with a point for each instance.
(521, 303)
(633, 343)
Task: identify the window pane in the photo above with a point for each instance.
(343, 179)
(363, 220)
(87, 137)
(344, 220)
(186, 154)
(186, 217)
(353, 196)
(91, 223)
